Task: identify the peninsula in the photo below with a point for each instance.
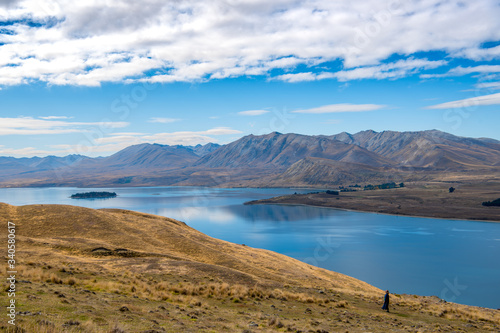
(424, 199)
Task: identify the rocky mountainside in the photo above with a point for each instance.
(427, 148)
(282, 150)
(202, 150)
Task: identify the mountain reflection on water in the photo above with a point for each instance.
(278, 213)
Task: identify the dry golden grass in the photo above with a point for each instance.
(179, 280)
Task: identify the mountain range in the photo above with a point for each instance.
(273, 159)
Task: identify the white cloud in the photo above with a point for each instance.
(127, 133)
(110, 143)
(336, 108)
(394, 70)
(253, 112)
(479, 54)
(460, 71)
(475, 69)
(171, 137)
(493, 99)
(91, 42)
(118, 141)
(489, 85)
(298, 77)
(32, 126)
(54, 117)
(25, 152)
(163, 120)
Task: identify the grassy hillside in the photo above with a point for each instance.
(85, 270)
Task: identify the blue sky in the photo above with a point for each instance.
(92, 78)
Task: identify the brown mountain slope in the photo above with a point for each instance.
(324, 172)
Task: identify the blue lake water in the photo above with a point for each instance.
(455, 260)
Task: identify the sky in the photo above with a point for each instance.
(93, 77)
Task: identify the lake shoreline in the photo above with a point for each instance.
(432, 202)
(261, 202)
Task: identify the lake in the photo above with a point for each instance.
(454, 260)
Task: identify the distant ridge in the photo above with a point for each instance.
(273, 159)
(431, 148)
(12, 165)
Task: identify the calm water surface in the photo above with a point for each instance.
(455, 260)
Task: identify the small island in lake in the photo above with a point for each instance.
(94, 195)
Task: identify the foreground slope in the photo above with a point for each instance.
(80, 230)
(85, 270)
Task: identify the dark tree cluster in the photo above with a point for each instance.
(492, 203)
(332, 192)
(383, 186)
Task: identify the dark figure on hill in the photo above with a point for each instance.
(386, 301)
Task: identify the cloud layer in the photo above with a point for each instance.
(493, 99)
(45, 125)
(99, 138)
(253, 112)
(337, 108)
(90, 42)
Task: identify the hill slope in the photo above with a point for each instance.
(324, 172)
(150, 235)
(122, 271)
